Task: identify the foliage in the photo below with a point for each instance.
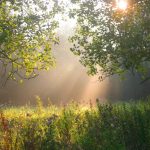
(110, 40)
(27, 32)
(107, 127)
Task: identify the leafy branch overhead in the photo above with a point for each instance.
(110, 40)
(27, 32)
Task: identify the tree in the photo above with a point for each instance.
(110, 40)
(27, 33)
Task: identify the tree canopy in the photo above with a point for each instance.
(110, 40)
(27, 33)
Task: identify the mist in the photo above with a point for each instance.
(69, 81)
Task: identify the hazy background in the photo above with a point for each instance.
(69, 81)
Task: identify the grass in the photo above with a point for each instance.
(122, 126)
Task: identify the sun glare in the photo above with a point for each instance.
(122, 4)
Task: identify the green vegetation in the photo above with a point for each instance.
(122, 126)
(27, 33)
(110, 40)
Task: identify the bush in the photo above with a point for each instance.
(105, 127)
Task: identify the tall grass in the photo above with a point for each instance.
(123, 126)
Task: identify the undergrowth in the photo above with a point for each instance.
(124, 126)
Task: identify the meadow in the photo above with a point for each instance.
(120, 126)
